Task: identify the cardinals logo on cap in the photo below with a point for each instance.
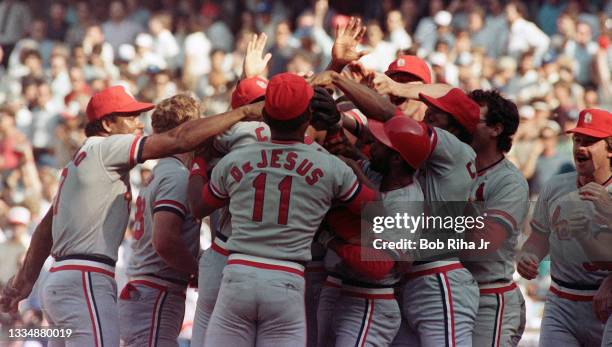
(588, 118)
(262, 84)
(401, 62)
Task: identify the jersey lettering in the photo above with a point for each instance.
(59, 190)
(139, 225)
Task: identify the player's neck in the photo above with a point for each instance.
(600, 176)
(396, 178)
(184, 158)
(293, 136)
(487, 157)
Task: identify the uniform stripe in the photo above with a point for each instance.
(366, 320)
(447, 306)
(351, 192)
(82, 268)
(499, 314)
(170, 203)
(140, 149)
(216, 192)
(91, 307)
(133, 151)
(157, 308)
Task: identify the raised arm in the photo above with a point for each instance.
(188, 136)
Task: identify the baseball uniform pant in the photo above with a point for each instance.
(330, 294)
(82, 295)
(315, 276)
(569, 319)
(439, 305)
(607, 339)
(501, 316)
(260, 303)
(366, 317)
(151, 312)
(210, 273)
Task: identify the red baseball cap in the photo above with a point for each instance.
(456, 103)
(114, 100)
(410, 64)
(287, 96)
(248, 90)
(594, 122)
(404, 135)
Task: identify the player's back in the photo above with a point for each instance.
(167, 191)
(92, 205)
(279, 193)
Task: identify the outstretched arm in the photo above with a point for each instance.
(187, 136)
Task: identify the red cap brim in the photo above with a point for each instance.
(431, 101)
(589, 132)
(377, 129)
(136, 106)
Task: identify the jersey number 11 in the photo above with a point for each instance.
(259, 183)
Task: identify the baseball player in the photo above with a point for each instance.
(87, 221)
(501, 193)
(365, 312)
(559, 228)
(447, 175)
(213, 260)
(603, 309)
(166, 243)
(278, 193)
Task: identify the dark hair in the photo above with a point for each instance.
(286, 125)
(95, 128)
(499, 111)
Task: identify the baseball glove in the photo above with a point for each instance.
(324, 113)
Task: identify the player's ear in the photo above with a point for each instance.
(107, 123)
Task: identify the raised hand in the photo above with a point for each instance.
(254, 61)
(357, 72)
(344, 50)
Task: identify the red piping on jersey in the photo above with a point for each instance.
(499, 290)
(347, 195)
(155, 318)
(149, 284)
(365, 335)
(215, 247)
(171, 202)
(265, 266)
(569, 296)
(133, 150)
(435, 270)
(82, 268)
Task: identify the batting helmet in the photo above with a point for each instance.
(404, 135)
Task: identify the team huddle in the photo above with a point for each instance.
(284, 176)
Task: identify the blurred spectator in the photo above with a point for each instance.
(581, 49)
(119, 29)
(397, 31)
(57, 26)
(524, 35)
(197, 48)
(76, 32)
(283, 48)
(381, 52)
(165, 45)
(426, 28)
(15, 18)
(16, 243)
(548, 13)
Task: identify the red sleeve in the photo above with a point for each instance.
(363, 195)
(374, 269)
(209, 198)
(343, 223)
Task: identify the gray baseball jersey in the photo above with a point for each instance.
(450, 170)
(556, 203)
(280, 192)
(167, 191)
(92, 206)
(502, 193)
(241, 134)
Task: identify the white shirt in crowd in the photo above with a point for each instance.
(525, 35)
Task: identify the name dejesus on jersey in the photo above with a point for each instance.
(279, 158)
